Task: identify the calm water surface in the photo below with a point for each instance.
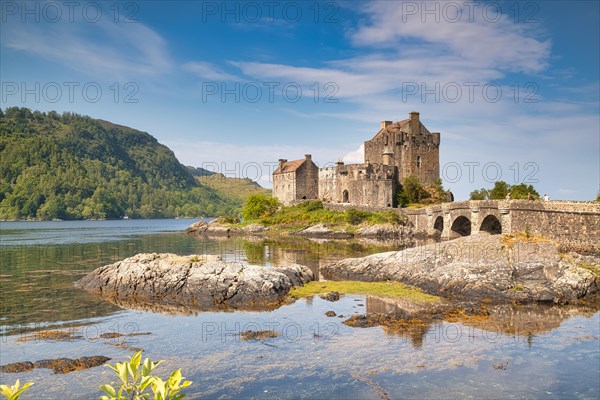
(521, 352)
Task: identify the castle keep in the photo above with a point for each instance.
(399, 149)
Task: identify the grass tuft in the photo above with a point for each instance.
(384, 289)
(595, 269)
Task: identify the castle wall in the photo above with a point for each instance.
(328, 185)
(360, 184)
(420, 156)
(307, 181)
(284, 187)
(371, 192)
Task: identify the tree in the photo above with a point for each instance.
(522, 191)
(259, 206)
(481, 194)
(412, 191)
(52, 209)
(438, 193)
(499, 191)
(71, 166)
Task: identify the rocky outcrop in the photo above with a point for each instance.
(254, 228)
(385, 230)
(213, 228)
(197, 228)
(219, 228)
(198, 282)
(478, 266)
(323, 231)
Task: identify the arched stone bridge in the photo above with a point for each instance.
(573, 222)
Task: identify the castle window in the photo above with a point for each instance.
(418, 161)
(345, 197)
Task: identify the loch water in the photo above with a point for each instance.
(534, 351)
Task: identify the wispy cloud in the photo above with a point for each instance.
(401, 49)
(210, 71)
(107, 49)
(483, 39)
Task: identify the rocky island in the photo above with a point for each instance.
(499, 267)
(196, 282)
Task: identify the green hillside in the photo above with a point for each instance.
(237, 188)
(75, 167)
(199, 171)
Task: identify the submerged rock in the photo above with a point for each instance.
(57, 365)
(51, 335)
(258, 335)
(198, 281)
(13, 368)
(477, 266)
(331, 296)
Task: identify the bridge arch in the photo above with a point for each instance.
(438, 225)
(491, 224)
(461, 226)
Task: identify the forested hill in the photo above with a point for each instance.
(71, 166)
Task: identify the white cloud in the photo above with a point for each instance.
(486, 39)
(243, 161)
(355, 157)
(402, 52)
(106, 49)
(209, 71)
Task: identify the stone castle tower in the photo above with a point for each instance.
(399, 149)
(407, 145)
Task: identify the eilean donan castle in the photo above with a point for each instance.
(399, 149)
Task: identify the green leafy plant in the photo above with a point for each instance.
(259, 206)
(312, 205)
(135, 380)
(229, 219)
(13, 392)
(527, 231)
(355, 217)
(412, 191)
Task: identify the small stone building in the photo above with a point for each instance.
(296, 180)
(399, 149)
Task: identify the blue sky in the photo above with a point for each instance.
(513, 87)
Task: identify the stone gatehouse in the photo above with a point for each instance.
(398, 149)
